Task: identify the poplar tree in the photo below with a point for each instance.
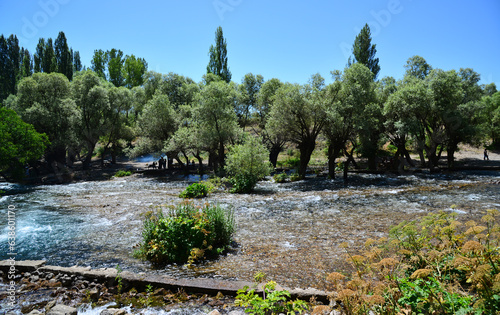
(63, 56)
(218, 57)
(364, 51)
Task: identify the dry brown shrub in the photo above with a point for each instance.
(421, 273)
(472, 247)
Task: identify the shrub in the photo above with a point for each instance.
(186, 234)
(246, 164)
(272, 302)
(122, 173)
(295, 177)
(195, 190)
(281, 177)
(437, 265)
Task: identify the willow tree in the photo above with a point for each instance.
(218, 57)
(215, 116)
(45, 101)
(298, 114)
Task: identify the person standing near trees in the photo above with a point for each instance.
(486, 155)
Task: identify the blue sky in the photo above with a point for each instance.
(289, 40)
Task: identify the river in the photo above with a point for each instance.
(289, 231)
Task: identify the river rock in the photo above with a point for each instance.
(60, 309)
(214, 312)
(35, 312)
(113, 311)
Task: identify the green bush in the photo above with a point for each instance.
(122, 173)
(437, 265)
(246, 164)
(272, 302)
(195, 190)
(186, 234)
(281, 177)
(295, 177)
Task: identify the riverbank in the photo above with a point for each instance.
(39, 288)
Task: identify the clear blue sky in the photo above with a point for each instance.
(286, 39)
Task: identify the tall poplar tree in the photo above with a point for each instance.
(77, 62)
(49, 63)
(38, 57)
(63, 56)
(218, 57)
(364, 51)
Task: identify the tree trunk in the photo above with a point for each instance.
(200, 160)
(306, 151)
(88, 157)
(274, 153)
(333, 154)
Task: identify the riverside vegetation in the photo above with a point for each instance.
(435, 266)
(186, 233)
(116, 107)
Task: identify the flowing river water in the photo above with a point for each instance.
(290, 231)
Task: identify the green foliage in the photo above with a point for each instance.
(218, 57)
(119, 278)
(186, 234)
(295, 177)
(246, 164)
(19, 144)
(280, 177)
(273, 301)
(122, 173)
(364, 51)
(429, 296)
(436, 265)
(195, 190)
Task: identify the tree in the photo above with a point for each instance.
(10, 64)
(247, 163)
(417, 67)
(115, 67)
(218, 57)
(38, 57)
(4, 69)
(406, 111)
(49, 63)
(215, 116)
(490, 119)
(27, 64)
(299, 116)
(134, 68)
(19, 144)
(265, 102)
(44, 100)
(77, 63)
(91, 98)
(249, 89)
(99, 62)
(364, 51)
(120, 101)
(64, 58)
(157, 123)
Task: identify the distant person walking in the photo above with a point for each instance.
(486, 155)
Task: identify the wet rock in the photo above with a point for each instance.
(112, 311)
(60, 309)
(236, 313)
(94, 295)
(214, 312)
(50, 305)
(49, 276)
(35, 312)
(34, 278)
